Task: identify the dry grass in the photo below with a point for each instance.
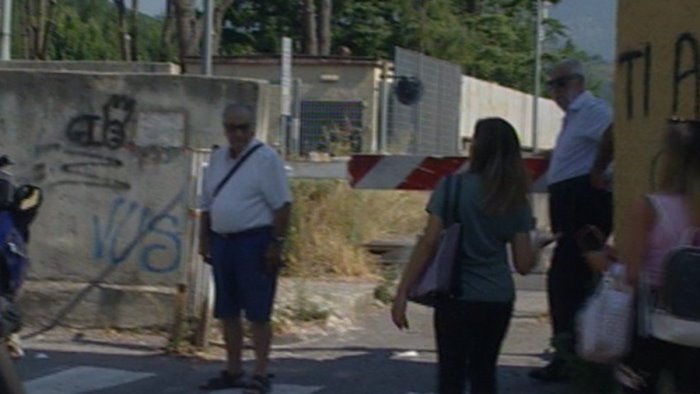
(331, 221)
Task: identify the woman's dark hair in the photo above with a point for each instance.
(680, 171)
(495, 155)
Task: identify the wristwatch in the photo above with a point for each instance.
(279, 240)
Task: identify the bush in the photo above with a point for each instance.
(331, 221)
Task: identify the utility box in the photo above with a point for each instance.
(657, 77)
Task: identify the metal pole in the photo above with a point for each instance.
(295, 126)
(538, 75)
(384, 110)
(9, 380)
(208, 35)
(6, 30)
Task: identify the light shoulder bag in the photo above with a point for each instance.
(437, 278)
(605, 324)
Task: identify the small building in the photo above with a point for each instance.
(337, 98)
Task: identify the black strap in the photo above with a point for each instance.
(235, 168)
(453, 195)
(450, 209)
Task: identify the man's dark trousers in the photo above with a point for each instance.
(573, 204)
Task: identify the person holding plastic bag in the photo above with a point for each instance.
(660, 221)
(492, 206)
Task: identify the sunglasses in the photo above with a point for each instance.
(231, 127)
(561, 82)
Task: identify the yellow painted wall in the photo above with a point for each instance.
(657, 76)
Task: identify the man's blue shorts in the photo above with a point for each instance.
(241, 282)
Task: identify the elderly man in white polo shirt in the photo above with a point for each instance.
(578, 198)
(246, 203)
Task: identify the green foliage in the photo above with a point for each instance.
(490, 39)
(257, 26)
(367, 28)
(88, 30)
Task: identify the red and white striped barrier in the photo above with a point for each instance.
(421, 172)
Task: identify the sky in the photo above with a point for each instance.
(591, 22)
(152, 7)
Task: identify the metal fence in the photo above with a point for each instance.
(199, 278)
(431, 125)
(331, 126)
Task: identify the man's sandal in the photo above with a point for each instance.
(225, 381)
(259, 385)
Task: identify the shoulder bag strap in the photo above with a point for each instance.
(234, 169)
(456, 198)
(456, 279)
(450, 209)
(447, 204)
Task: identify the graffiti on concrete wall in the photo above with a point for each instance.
(685, 75)
(641, 95)
(93, 152)
(109, 130)
(133, 230)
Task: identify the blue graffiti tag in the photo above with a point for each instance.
(163, 224)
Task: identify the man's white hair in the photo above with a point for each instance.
(239, 108)
(572, 66)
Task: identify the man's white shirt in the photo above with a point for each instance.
(249, 198)
(577, 144)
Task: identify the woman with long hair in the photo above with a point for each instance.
(494, 211)
(661, 219)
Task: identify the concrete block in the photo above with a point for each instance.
(102, 306)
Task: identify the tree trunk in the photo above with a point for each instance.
(310, 38)
(189, 30)
(166, 32)
(134, 30)
(28, 31)
(123, 31)
(48, 25)
(219, 12)
(325, 37)
(38, 25)
(35, 12)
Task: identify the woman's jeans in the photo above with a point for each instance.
(469, 337)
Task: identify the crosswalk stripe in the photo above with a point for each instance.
(80, 380)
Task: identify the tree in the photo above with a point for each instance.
(166, 35)
(124, 37)
(39, 23)
(310, 36)
(83, 30)
(324, 31)
(256, 26)
(133, 31)
(190, 25)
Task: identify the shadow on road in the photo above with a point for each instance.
(344, 370)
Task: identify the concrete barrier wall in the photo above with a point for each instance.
(91, 66)
(113, 156)
(481, 99)
(657, 77)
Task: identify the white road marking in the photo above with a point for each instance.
(278, 389)
(80, 380)
(406, 354)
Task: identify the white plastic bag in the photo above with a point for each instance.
(605, 323)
